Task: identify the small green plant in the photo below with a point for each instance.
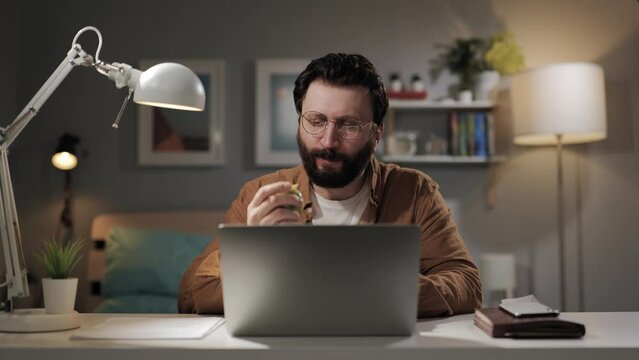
(504, 55)
(58, 258)
(466, 58)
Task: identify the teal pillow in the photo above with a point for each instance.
(148, 261)
(148, 304)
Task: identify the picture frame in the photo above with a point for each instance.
(275, 114)
(168, 137)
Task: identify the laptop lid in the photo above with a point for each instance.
(302, 280)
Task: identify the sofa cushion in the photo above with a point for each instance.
(148, 261)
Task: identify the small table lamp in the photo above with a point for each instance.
(554, 105)
(498, 273)
(66, 159)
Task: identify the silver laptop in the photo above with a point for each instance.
(304, 280)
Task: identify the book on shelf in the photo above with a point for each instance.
(471, 133)
(481, 134)
(463, 135)
(453, 126)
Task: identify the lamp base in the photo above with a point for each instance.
(37, 320)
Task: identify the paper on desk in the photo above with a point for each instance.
(145, 328)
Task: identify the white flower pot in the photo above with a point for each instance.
(465, 97)
(486, 85)
(59, 295)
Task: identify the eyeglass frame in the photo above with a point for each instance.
(339, 127)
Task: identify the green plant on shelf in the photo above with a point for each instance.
(467, 57)
(464, 59)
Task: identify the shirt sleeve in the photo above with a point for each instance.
(201, 286)
(449, 280)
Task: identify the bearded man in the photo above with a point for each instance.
(341, 103)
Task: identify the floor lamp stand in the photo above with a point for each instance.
(560, 225)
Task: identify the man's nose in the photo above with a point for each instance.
(330, 138)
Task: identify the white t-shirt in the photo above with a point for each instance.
(340, 212)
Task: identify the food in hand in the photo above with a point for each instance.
(295, 191)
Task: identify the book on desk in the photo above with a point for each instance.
(500, 324)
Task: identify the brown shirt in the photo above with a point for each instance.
(449, 280)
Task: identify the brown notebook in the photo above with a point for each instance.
(498, 323)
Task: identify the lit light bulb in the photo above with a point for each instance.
(64, 160)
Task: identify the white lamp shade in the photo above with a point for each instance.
(64, 160)
(565, 99)
(170, 85)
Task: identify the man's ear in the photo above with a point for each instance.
(379, 133)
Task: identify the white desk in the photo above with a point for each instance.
(608, 336)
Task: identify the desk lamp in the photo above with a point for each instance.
(555, 105)
(168, 85)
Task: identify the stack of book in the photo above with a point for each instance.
(471, 134)
(501, 324)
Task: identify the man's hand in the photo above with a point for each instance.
(274, 204)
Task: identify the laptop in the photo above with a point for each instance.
(305, 280)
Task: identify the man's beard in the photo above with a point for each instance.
(352, 166)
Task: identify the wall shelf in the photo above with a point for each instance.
(424, 159)
(439, 111)
(403, 106)
(433, 105)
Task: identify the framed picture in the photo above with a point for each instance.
(168, 137)
(275, 114)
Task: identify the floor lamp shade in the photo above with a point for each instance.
(566, 99)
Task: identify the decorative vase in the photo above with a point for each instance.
(486, 85)
(59, 295)
(402, 143)
(465, 97)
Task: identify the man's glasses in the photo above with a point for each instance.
(315, 123)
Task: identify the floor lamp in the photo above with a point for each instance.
(559, 104)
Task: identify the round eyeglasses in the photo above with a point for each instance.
(316, 123)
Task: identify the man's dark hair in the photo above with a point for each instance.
(344, 69)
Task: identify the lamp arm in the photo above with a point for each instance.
(16, 272)
(76, 56)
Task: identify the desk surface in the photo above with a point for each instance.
(609, 335)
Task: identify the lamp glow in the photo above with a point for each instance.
(565, 99)
(64, 160)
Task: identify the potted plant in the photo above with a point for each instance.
(59, 259)
(464, 59)
(502, 57)
(479, 63)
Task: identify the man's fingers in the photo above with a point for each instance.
(275, 202)
(281, 215)
(267, 190)
(272, 204)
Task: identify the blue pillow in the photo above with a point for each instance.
(148, 261)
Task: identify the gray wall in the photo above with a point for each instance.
(601, 179)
